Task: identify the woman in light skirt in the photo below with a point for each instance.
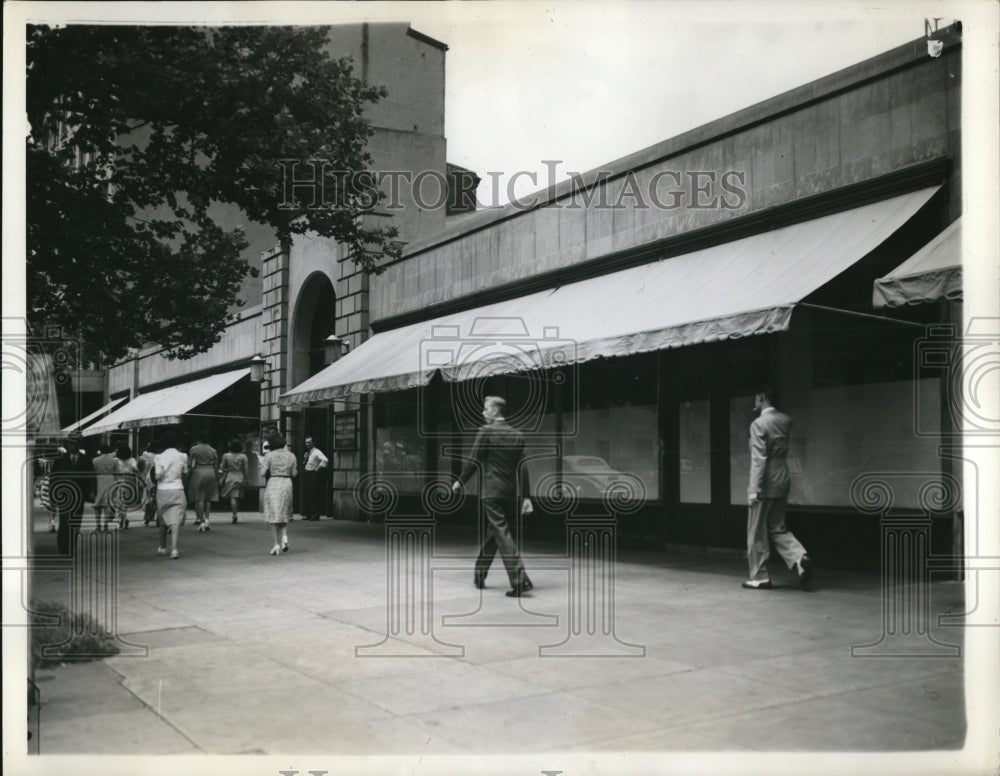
(170, 471)
(278, 468)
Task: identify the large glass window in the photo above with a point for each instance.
(613, 441)
(400, 449)
(611, 427)
(842, 432)
(695, 453)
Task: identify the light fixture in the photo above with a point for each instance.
(334, 348)
(257, 365)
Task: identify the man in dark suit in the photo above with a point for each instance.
(71, 480)
(498, 453)
(767, 495)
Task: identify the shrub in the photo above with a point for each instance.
(72, 637)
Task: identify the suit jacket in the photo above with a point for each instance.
(499, 452)
(769, 436)
(70, 484)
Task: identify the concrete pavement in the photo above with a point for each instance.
(228, 650)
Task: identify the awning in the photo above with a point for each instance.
(166, 405)
(94, 415)
(934, 272)
(737, 289)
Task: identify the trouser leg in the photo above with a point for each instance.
(307, 482)
(758, 548)
(64, 534)
(315, 485)
(788, 547)
(500, 515)
(487, 550)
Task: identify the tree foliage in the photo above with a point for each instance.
(135, 132)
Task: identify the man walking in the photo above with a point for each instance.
(71, 480)
(314, 464)
(499, 452)
(768, 495)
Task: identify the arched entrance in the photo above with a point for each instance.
(312, 323)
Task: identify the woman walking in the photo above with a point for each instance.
(234, 474)
(127, 484)
(170, 471)
(146, 463)
(278, 468)
(203, 488)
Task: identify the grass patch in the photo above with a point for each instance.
(59, 635)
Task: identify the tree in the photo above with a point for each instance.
(136, 131)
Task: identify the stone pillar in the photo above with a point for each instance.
(352, 320)
(275, 309)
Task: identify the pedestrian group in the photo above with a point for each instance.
(164, 480)
(172, 479)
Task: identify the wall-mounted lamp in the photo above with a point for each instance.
(257, 366)
(334, 348)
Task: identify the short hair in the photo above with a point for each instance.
(156, 446)
(236, 446)
(276, 441)
(169, 438)
(499, 402)
(309, 439)
(769, 392)
(124, 452)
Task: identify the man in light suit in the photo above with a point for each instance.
(499, 452)
(768, 495)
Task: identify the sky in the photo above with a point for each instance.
(587, 82)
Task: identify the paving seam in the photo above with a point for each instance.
(167, 722)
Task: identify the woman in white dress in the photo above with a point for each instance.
(278, 468)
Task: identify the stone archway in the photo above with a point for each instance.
(312, 322)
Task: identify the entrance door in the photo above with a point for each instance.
(316, 423)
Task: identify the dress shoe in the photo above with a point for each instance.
(161, 550)
(479, 580)
(757, 584)
(520, 590)
(805, 571)
(284, 544)
(275, 550)
(174, 554)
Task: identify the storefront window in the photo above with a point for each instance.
(542, 449)
(400, 449)
(695, 453)
(612, 433)
(842, 432)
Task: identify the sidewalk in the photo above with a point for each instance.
(228, 650)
